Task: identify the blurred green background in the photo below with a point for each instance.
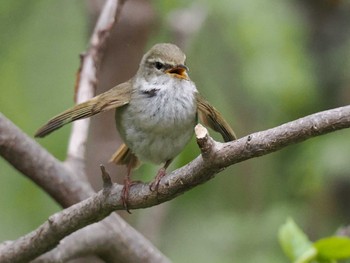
(261, 63)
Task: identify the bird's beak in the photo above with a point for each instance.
(179, 71)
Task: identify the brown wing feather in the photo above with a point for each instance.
(210, 117)
(111, 99)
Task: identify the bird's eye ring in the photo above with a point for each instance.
(158, 65)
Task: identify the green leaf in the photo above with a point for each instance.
(295, 243)
(333, 248)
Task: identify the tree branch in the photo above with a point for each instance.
(71, 219)
(28, 157)
(111, 239)
(200, 170)
(69, 249)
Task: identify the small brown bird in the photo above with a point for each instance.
(156, 112)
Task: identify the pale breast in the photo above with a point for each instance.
(159, 121)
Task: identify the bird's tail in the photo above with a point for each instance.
(124, 156)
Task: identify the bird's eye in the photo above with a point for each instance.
(158, 65)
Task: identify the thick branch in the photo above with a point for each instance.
(196, 172)
(124, 243)
(27, 156)
(51, 232)
(98, 239)
(111, 239)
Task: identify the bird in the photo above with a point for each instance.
(155, 113)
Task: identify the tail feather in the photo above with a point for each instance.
(124, 156)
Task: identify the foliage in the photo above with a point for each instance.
(300, 249)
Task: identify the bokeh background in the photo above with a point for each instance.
(261, 63)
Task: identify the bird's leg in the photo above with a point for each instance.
(126, 188)
(162, 171)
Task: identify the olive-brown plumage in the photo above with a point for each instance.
(156, 112)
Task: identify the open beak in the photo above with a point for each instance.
(179, 71)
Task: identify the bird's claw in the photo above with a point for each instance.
(155, 184)
(125, 193)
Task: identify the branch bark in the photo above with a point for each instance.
(99, 239)
(216, 157)
(28, 157)
(63, 223)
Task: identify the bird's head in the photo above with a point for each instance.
(163, 59)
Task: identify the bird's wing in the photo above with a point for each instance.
(111, 99)
(210, 117)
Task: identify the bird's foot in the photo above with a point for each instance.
(155, 184)
(125, 192)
